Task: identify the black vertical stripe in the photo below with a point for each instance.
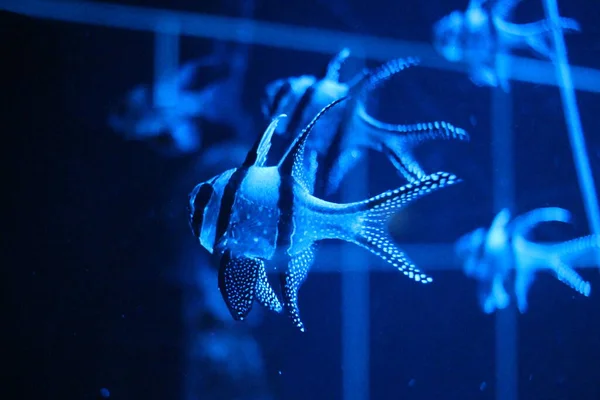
(298, 113)
(285, 205)
(198, 201)
(332, 154)
(227, 201)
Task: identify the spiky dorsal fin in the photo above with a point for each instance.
(257, 155)
(292, 163)
(335, 65)
(370, 78)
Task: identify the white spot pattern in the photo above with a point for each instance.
(373, 234)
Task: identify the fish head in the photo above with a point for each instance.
(448, 35)
(204, 203)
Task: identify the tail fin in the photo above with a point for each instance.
(374, 215)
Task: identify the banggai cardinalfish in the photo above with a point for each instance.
(260, 219)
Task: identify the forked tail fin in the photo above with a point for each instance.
(374, 214)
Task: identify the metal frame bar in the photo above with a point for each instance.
(503, 178)
(169, 25)
(356, 300)
(281, 36)
(576, 136)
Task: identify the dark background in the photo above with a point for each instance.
(95, 227)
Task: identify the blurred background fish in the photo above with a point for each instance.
(344, 136)
(170, 114)
(490, 256)
(482, 34)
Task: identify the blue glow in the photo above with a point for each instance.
(166, 114)
(282, 36)
(489, 256)
(255, 216)
(167, 109)
(482, 37)
(338, 145)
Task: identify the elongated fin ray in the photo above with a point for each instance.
(412, 134)
(238, 277)
(257, 155)
(397, 141)
(404, 163)
(335, 65)
(371, 78)
(292, 163)
(578, 247)
(570, 277)
(292, 279)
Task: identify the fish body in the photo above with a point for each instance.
(349, 131)
(256, 211)
(482, 36)
(259, 218)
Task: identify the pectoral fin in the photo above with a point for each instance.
(238, 278)
(265, 294)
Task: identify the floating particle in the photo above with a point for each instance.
(104, 393)
(483, 386)
(411, 383)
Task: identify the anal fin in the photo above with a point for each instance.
(238, 278)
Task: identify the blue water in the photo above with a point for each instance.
(112, 297)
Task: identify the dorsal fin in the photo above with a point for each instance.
(335, 65)
(257, 155)
(292, 163)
